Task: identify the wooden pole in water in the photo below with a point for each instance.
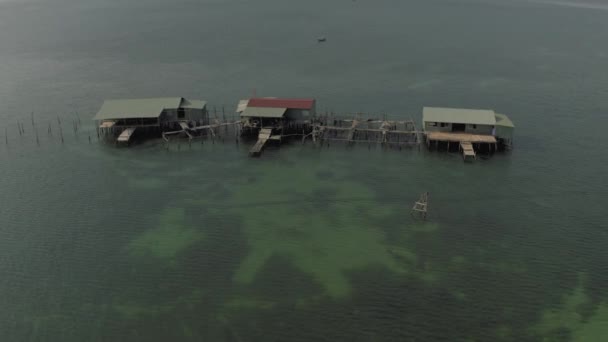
(37, 140)
(19, 128)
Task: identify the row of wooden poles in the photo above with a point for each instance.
(220, 137)
(76, 127)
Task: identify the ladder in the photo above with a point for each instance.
(421, 206)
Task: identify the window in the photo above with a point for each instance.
(474, 126)
(443, 124)
(181, 113)
(434, 124)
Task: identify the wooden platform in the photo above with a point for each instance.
(468, 153)
(460, 137)
(263, 137)
(107, 124)
(125, 136)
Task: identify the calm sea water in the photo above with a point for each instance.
(205, 244)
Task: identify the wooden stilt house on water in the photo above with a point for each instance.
(469, 130)
(273, 119)
(123, 119)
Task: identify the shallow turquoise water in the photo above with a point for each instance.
(203, 243)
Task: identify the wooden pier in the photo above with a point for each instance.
(467, 143)
(263, 137)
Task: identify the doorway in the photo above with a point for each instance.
(458, 127)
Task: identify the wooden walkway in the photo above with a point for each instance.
(468, 153)
(125, 136)
(466, 142)
(263, 137)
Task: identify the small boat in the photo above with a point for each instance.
(321, 39)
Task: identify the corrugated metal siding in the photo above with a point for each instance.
(135, 108)
(282, 103)
(458, 115)
(504, 126)
(193, 104)
(504, 121)
(260, 112)
(242, 106)
(144, 108)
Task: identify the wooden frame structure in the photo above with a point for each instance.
(388, 133)
(421, 206)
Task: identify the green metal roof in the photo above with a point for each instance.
(143, 108)
(263, 112)
(504, 121)
(458, 115)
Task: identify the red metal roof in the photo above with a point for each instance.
(282, 103)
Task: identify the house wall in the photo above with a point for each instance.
(504, 132)
(299, 114)
(198, 115)
(140, 122)
(447, 127)
(169, 115)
